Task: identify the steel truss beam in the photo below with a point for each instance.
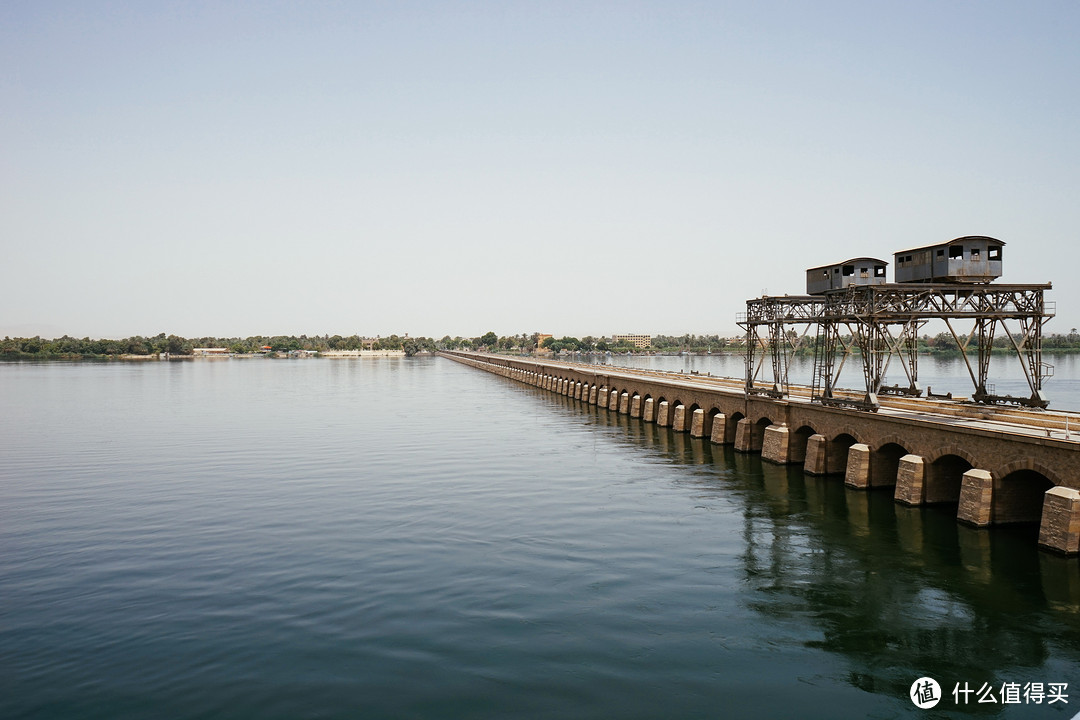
(883, 322)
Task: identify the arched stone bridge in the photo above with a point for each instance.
(997, 466)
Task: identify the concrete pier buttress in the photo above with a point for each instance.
(678, 419)
(719, 430)
(635, 406)
(624, 403)
(910, 481)
(858, 467)
(697, 424)
(745, 437)
(775, 446)
(577, 391)
(1060, 527)
(594, 392)
(976, 498)
(663, 414)
(815, 461)
(613, 400)
(648, 411)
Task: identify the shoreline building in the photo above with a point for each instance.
(638, 341)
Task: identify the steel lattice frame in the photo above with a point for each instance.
(883, 321)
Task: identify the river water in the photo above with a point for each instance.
(941, 374)
(414, 538)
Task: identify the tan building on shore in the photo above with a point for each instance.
(638, 341)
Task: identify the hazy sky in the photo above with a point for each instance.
(576, 168)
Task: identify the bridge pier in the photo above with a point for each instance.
(648, 411)
(624, 404)
(776, 444)
(910, 481)
(976, 498)
(747, 437)
(814, 462)
(719, 430)
(1059, 529)
(857, 475)
(635, 406)
(678, 419)
(596, 393)
(697, 424)
(663, 414)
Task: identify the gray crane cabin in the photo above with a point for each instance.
(969, 259)
(857, 271)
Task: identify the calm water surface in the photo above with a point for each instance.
(942, 374)
(413, 538)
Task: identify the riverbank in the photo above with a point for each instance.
(162, 357)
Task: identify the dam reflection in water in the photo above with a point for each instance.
(892, 588)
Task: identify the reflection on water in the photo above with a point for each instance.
(893, 589)
(417, 538)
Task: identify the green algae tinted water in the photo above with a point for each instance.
(413, 538)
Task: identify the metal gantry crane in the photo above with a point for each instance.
(882, 322)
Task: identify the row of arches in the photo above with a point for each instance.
(941, 475)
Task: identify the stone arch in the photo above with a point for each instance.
(849, 431)
(1029, 464)
(797, 443)
(614, 393)
(661, 420)
(885, 462)
(1018, 496)
(757, 433)
(686, 421)
(733, 424)
(940, 452)
(836, 452)
(945, 475)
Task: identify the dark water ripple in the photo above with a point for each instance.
(416, 539)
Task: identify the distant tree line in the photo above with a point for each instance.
(523, 343)
(69, 347)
